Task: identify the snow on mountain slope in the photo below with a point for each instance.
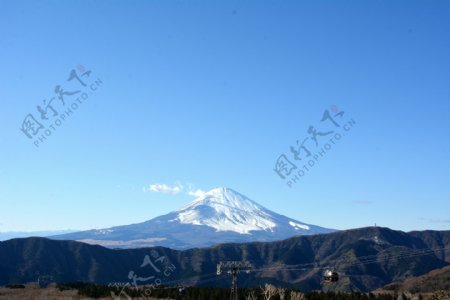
(226, 210)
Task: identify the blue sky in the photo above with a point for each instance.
(200, 94)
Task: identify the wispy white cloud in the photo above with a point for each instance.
(196, 193)
(164, 188)
(177, 188)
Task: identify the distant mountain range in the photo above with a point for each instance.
(6, 235)
(221, 215)
(365, 259)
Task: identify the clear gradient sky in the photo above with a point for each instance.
(203, 94)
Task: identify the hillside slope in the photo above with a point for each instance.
(435, 280)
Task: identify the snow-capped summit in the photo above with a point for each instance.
(226, 210)
(218, 216)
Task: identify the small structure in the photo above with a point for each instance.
(234, 268)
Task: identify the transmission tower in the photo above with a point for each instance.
(233, 268)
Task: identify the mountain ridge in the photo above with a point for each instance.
(365, 258)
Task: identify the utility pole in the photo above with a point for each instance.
(234, 268)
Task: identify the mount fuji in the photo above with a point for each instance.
(221, 215)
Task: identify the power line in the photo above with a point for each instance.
(359, 261)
